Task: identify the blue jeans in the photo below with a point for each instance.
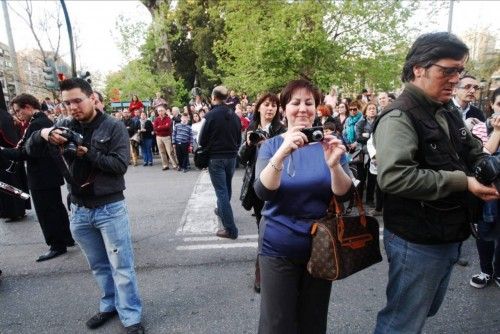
(418, 280)
(221, 174)
(103, 234)
(146, 147)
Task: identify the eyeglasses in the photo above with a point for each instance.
(469, 87)
(353, 109)
(74, 101)
(449, 71)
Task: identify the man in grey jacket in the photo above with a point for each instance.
(99, 218)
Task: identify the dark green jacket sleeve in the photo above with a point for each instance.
(396, 143)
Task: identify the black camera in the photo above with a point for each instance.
(74, 140)
(257, 136)
(487, 171)
(314, 134)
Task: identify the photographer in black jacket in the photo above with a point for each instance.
(99, 218)
(44, 179)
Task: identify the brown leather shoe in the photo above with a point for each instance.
(223, 233)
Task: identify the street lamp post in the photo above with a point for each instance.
(450, 16)
(482, 84)
(70, 35)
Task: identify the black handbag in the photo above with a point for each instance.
(201, 157)
(342, 246)
(247, 195)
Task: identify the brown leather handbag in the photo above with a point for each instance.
(343, 245)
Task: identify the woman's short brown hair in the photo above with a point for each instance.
(286, 93)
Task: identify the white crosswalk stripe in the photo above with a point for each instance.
(198, 216)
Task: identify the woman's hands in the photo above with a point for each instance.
(333, 149)
(495, 123)
(293, 139)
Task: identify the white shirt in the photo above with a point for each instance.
(464, 111)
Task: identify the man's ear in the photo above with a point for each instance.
(418, 71)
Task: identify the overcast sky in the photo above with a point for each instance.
(94, 22)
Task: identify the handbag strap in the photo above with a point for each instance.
(334, 204)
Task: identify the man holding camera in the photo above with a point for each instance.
(44, 179)
(425, 157)
(99, 219)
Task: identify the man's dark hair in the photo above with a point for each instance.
(72, 83)
(429, 49)
(24, 100)
(286, 93)
(99, 96)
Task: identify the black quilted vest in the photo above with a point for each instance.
(444, 220)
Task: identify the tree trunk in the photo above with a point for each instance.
(163, 52)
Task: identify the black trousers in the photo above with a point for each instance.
(53, 217)
(489, 256)
(182, 151)
(371, 182)
(292, 301)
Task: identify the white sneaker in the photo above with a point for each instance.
(480, 281)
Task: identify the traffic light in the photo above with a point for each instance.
(50, 77)
(61, 77)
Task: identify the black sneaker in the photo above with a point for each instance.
(495, 279)
(135, 329)
(480, 281)
(99, 319)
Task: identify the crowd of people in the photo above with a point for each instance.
(410, 157)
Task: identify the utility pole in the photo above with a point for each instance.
(450, 16)
(12, 49)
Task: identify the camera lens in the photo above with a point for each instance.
(317, 135)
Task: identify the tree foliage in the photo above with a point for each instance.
(137, 78)
(192, 27)
(343, 42)
(258, 45)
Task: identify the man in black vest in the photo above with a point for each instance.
(425, 157)
(44, 179)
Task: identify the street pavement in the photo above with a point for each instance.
(192, 281)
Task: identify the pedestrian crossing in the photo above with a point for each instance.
(199, 222)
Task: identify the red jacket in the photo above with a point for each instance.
(135, 105)
(244, 123)
(163, 126)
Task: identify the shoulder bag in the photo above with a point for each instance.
(201, 157)
(342, 246)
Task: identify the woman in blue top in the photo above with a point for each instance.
(297, 180)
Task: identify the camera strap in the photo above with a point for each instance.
(61, 163)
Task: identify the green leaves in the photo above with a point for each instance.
(137, 78)
(260, 45)
(349, 43)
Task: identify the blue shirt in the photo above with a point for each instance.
(182, 134)
(303, 195)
